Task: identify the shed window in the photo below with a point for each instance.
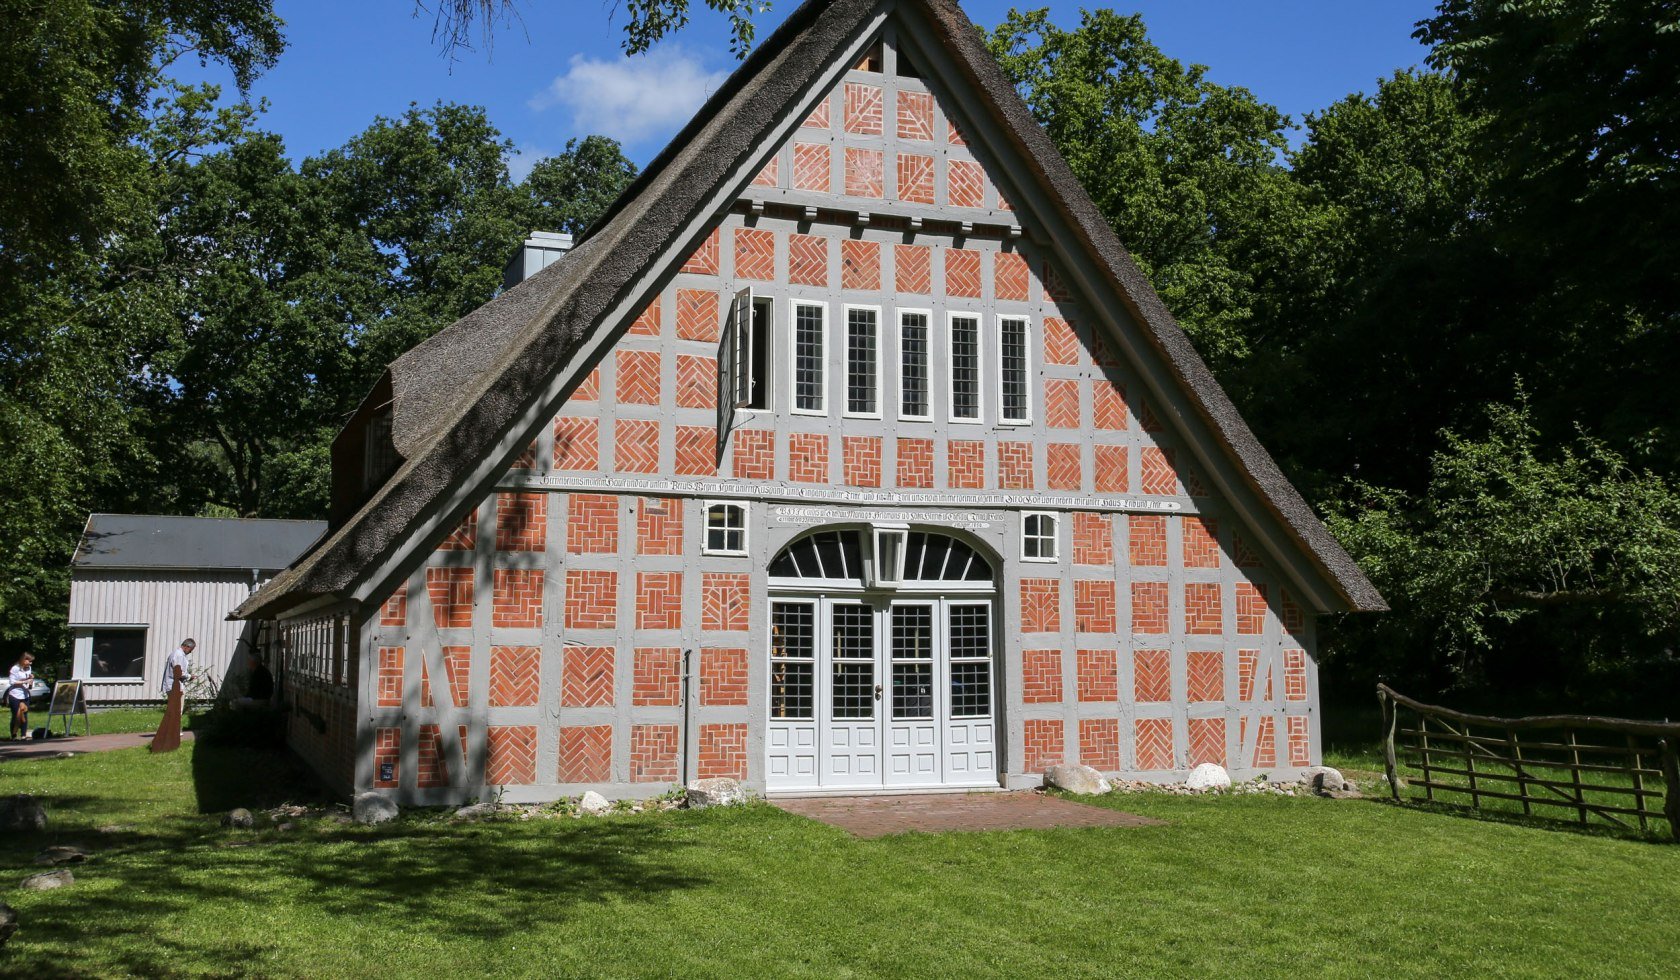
(118, 653)
(913, 365)
(965, 368)
(863, 358)
(726, 529)
(809, 358)
(1014, 392)
(1038, 537)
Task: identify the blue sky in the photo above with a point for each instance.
(560, 72)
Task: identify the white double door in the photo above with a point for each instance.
(875, 692)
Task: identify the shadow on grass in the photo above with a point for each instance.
(1658, 833)
(228, 776)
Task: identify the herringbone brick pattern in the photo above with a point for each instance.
(915, 463)
(1204, 609)
(515, 676)
(658, 600)
(965, 184)
(576, 444)
(696, 381)
(1251, 609)
(1063, 467)
(1243, 555)
(656, 677)
(1110, 473)
(1295, 675)
(653, 754)
(591, 599)
(1041, 605)
(647, 322)
(915, 180)
(811, 167)
(521, 521)
(1300, 742)
(465, 535)
(1055, 287)
(965, 464)
(861, 460)
(1201, 542)
(1061, 345)
(962, 272)
(1042, 748)
(1154, 743)
(704, 260)
(1011, 279)
(697, 315)
(808, 260)
(592, 524)
(526, 460)
(915, 116)
(754, 454)
(1041, 676)
(586, 754)
(808, 457)
(1204, 675)
(1148, 540)
(1147, 420)
(1061, 403)
(913, 269)
(726, 604)
(451, 593)
(819, 118)
(589, 389)
(429, 770)
(517, 598)
(638, 377)
(755, 254)
(723, 676)
(1093, 605)
(860, 264)
(659, 526)
(394, 610)
(389, 678)
(1149, 609)
(636, 445)
(953, 135)
(1207, 741)
(770, 174)
(1108, 405)
(1159, 477)
(1099, 743)
(586, 676)
(511, 759)
(1093, 539)
(1015, 465)
(1151, 676)
(1098, 675)
(722, 752)
(696, 450)
(864, 172)
(387, 751)
(861, 109)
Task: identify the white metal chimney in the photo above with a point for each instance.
(541, 250)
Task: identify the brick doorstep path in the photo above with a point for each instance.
(49, 747)
(881, 816)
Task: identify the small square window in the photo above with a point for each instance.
(1038, 537)
(726, 529)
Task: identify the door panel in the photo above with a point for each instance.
(852, 726)
(970, 752)
(791, 738)
(912, 716)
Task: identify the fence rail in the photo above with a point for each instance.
(1606, 770)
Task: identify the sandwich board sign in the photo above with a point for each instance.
(67, 700)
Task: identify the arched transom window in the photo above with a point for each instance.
(881, 557)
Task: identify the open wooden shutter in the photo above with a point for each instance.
(734, 360)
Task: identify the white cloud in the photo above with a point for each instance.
(523, 158)
(632, 99)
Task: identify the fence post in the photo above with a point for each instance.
(1671, 776)
(1388, 718)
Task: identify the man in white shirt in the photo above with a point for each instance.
(179, 661)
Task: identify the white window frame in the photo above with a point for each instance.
(706, 529)
(768, 304)
(927, 366)
(1055, 537)
(794, 306)
(951, 368)
(1026, 368)
(880, 362)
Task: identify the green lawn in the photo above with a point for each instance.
(1232, 886)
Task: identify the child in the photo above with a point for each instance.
(20, 683)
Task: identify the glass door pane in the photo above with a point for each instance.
(912, 662)
(970, 633)
(853, 691)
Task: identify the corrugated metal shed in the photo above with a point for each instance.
(149, 541)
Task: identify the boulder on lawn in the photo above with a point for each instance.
(476, 811)
(61, 854)
(373, 808)
(8, 922)
(718, 791)
(1208, 775)
(1324, 780)
(239, 819)
(594, 804)
(1082, 780)
(22, 813)
(47, 880)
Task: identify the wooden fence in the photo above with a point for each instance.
(1605, 770)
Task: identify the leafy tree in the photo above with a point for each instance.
(458, 21)
(568, 192)
(1187, 171)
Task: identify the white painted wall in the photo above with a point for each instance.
(172, 606)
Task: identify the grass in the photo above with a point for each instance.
(1232, 886)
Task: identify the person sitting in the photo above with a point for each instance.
(259, 684)
(20, 684)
